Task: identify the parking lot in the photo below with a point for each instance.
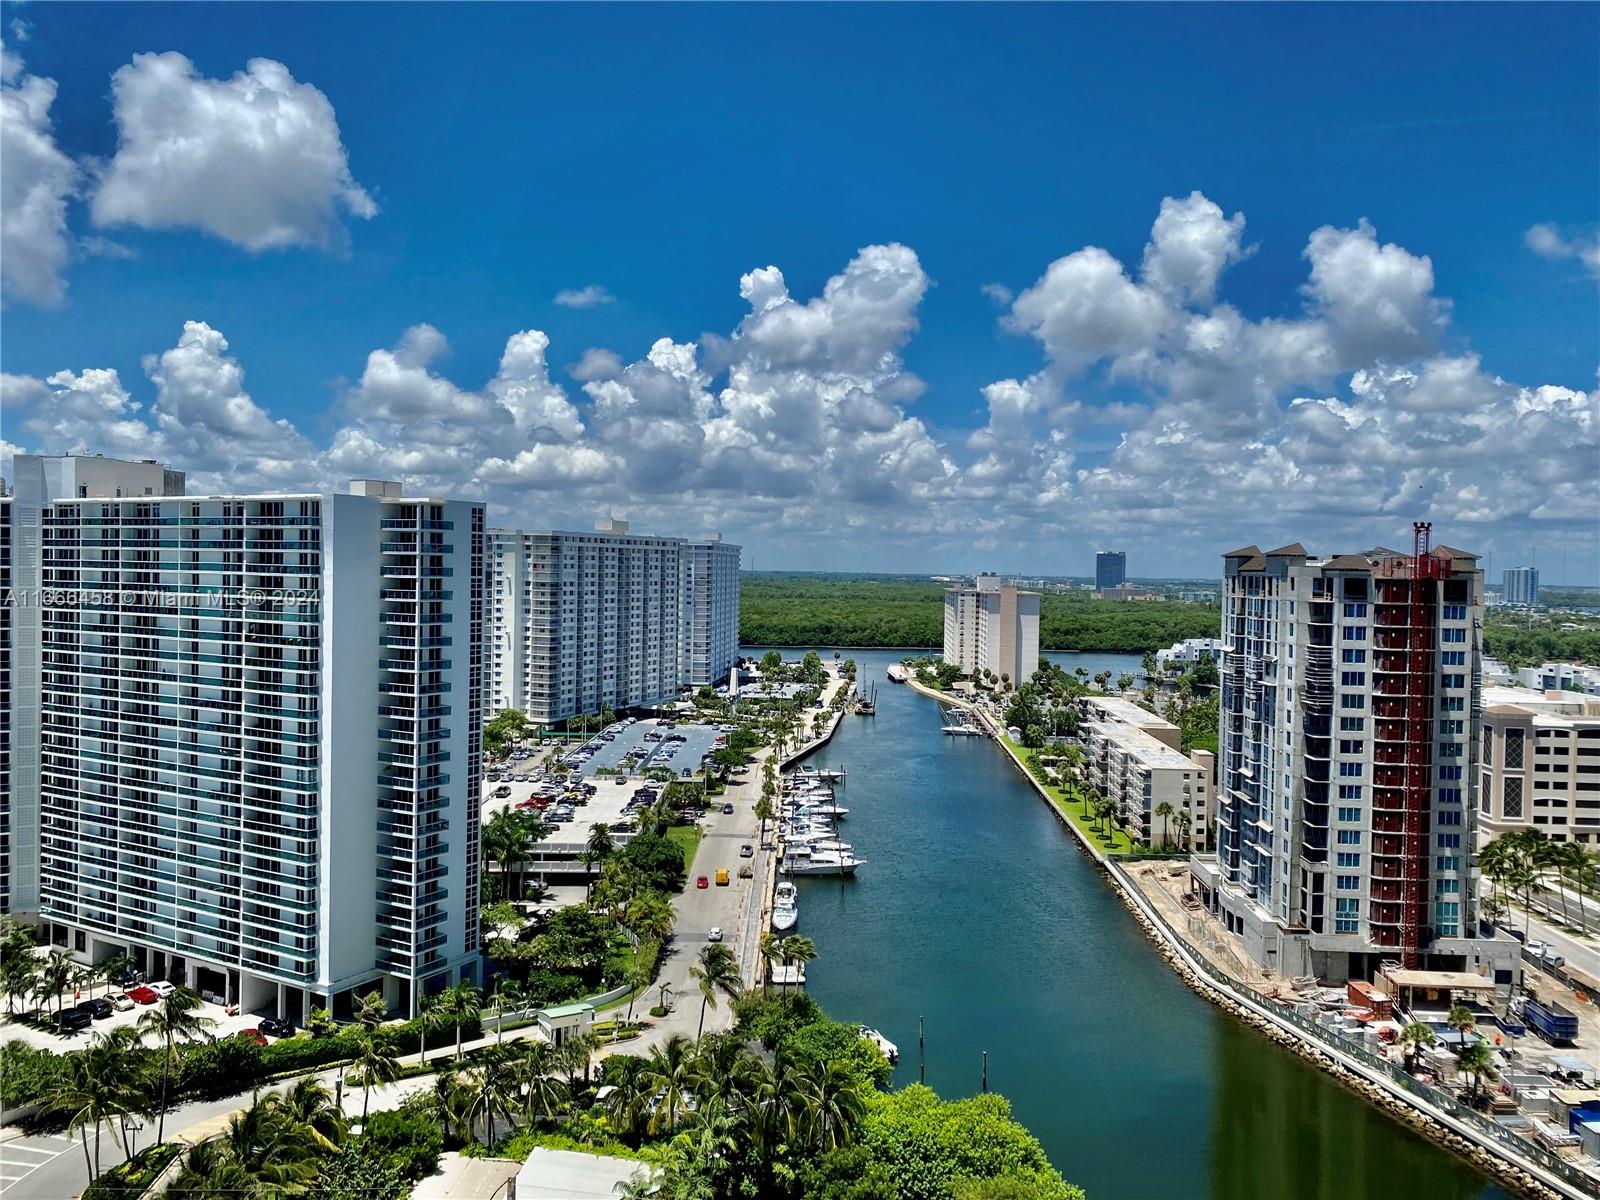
(76, 1040)
(647, 752)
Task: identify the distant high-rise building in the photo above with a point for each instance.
(1345, 805)
(258, 768)
(711, 610)
(581, 622)
(1520, 585)
(992, 626)
(1110, 570)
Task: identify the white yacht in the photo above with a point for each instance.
(820, 862)
(785, 919)
(890, 1050)
(785, 907)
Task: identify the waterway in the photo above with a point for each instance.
(976, 913)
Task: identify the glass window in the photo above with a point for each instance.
(1353, 815)
(1452, 635)
(1348, 883)
(1350, 770)
(1349, 837)
(1353, 656)
(1355, 610)
(1349, 858)
(1349, 791)
(1513, 748)
(1513, 796)
(1450, 817)
(1453, 658)
(1352, 724)
(1355, 633)
(1449, 841)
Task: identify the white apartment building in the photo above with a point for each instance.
(1539, 765)
(993, 626)
(1192, 650)
(711, 610)
(584, 621)
(1135, 759)
(260, 739)
(1562, 677)
(1520, 586)
(39, 479)
(1345, 808)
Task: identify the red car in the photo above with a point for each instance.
(143, 994)
(700, 882)
(252, 1035)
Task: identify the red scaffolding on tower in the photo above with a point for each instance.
(1420, 627)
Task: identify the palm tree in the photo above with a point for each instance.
(631, 1095)
(488, 1091)
(433, 1016)
(115, 965)
(771, 950)
(717, 972)
(463, 1001)
(508, 997)
(309, 1106)
(637, 978)
(376, 1063)
(371, 1010)
(764, 810)
(1124, 682)
(650, 915)
(1461, 1019)
(88, 1095)
(599, 846)
(1166, 812)
(175, 1019)
(797, 949)
(1477, 1061)
(534, 1072)
(669, 1078)
(1183, 821)
(508, 838)
(1414, 1039)
(830, 1095)
(55, 977)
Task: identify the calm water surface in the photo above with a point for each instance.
(976, 912)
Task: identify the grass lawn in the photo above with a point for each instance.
(687, 837)
(1114, 840)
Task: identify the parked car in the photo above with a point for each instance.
(747, 851)
(70, 1019)
(98, 1007)
(702, 882)
(715, 934)
(120, 1001)
(501, 792)
(722, 876)
(162, 988)
(144, 994)
(727, 808)
(251, 1035)
(127, 976)
(277, 1027)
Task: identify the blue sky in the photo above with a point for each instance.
(662, 152)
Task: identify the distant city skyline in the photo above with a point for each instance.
(590, 283)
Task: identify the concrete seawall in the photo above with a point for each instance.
(1513, 1171)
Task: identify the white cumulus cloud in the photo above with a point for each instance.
(36, 180)
(256, 160)
(1547, 241)
(591, 296)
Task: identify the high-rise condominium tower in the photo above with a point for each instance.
(711, 610)
(1348, 731)
(992, 626)
(259, 752)
(1110, 570)
(1520, 585)
(585, 621)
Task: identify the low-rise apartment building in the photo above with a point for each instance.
(1135, 760)
(1539, 765)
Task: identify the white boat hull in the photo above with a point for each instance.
(784, 919)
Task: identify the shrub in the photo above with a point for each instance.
(128, 1181)
(407, 1137)
(27, 1074)
(219, 1067)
